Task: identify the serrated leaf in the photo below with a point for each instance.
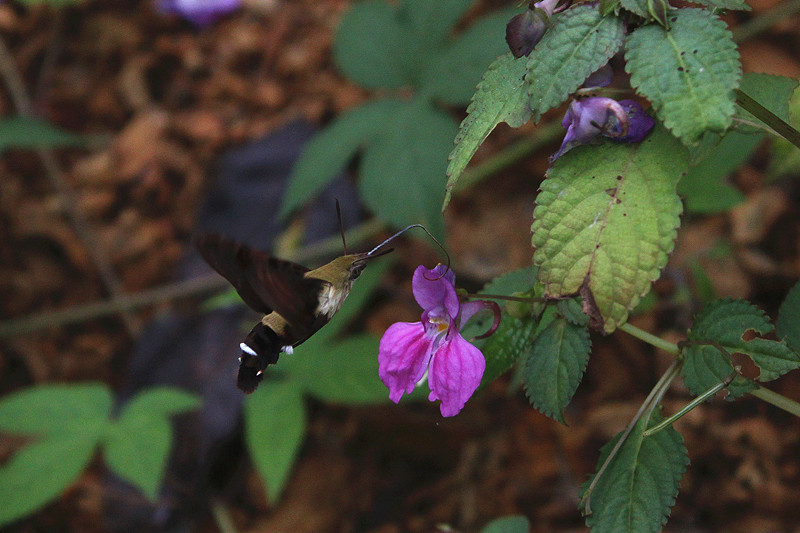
(605, 221)
(512, 340)
(275, 423)
(785, 159)
(57, 409)
(639, 486)
(452, 75)
(136, 448)
(343, 372)
(772, 92)
(28, 133)
(788, 323)
(704, 188)
(507, 524)
(402, 172)
(330, 149)
(430, 23)
(637, 7)
(572, 310)
(369, 47)
(737, 5)
(580, 42)
(555, 365)
(501, 96)
(41, 471)
(688, 72)
(723, 323)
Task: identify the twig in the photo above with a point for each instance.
(172, 291)
(769, 118)
(52, 168)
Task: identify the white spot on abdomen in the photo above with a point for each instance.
(246, 349)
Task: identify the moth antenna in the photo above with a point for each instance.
(341, 226)
(406, 229)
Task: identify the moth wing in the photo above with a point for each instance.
(284, 287)
(225, 256)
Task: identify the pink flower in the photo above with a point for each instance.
(409, 349)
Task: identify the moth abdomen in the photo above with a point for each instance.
(260, 348)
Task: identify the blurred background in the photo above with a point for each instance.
(145, 124)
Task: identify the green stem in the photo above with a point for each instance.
(543, 136)
(222, 517)
(689, 406)
(646, 408)
(769, 118)
(649, 338)
(778, 400)
(525, 299)
(173, 291)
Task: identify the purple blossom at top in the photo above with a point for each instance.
(590, 117)
(434, 344)
(201, 13)
(526, 29)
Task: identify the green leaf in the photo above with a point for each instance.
(724, 323)
(572, 310)
(580, 41)
(370, 47)
(704, 188)
(788, 323)
(785, 159)
(56, 410)
(737, 5)
(555, 365)
(649, 10)
(508, 524)
(639, 486)
(773, 92)
(688, 72)
(275, 422)
(606, 221)
(330, 149)
(342, 372)
(403, 170)
(137, 444)
(41, 471)
(501, 96)
(29, 133)
(430, 23)
(513, 339)
(452, 75)
(136, 448)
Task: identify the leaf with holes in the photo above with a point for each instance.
(722, 325)
(605, 221)
(688, 72)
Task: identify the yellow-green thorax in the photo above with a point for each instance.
(338, 275)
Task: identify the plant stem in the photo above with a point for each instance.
(546, 134)
(172, 291)
(769, 118)
(647, 407)
(526, 299)
(778, 400)
(649, 338)
(222, 517)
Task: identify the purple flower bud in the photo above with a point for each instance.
(639, 122)
(523, 31)
(201, 13)
(597, 115)
(601, 77)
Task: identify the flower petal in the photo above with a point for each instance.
(455, 373)
(403, 357)
(435, 292)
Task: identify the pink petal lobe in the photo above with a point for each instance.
(434, 290)
(455, 373)
(403, 357)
